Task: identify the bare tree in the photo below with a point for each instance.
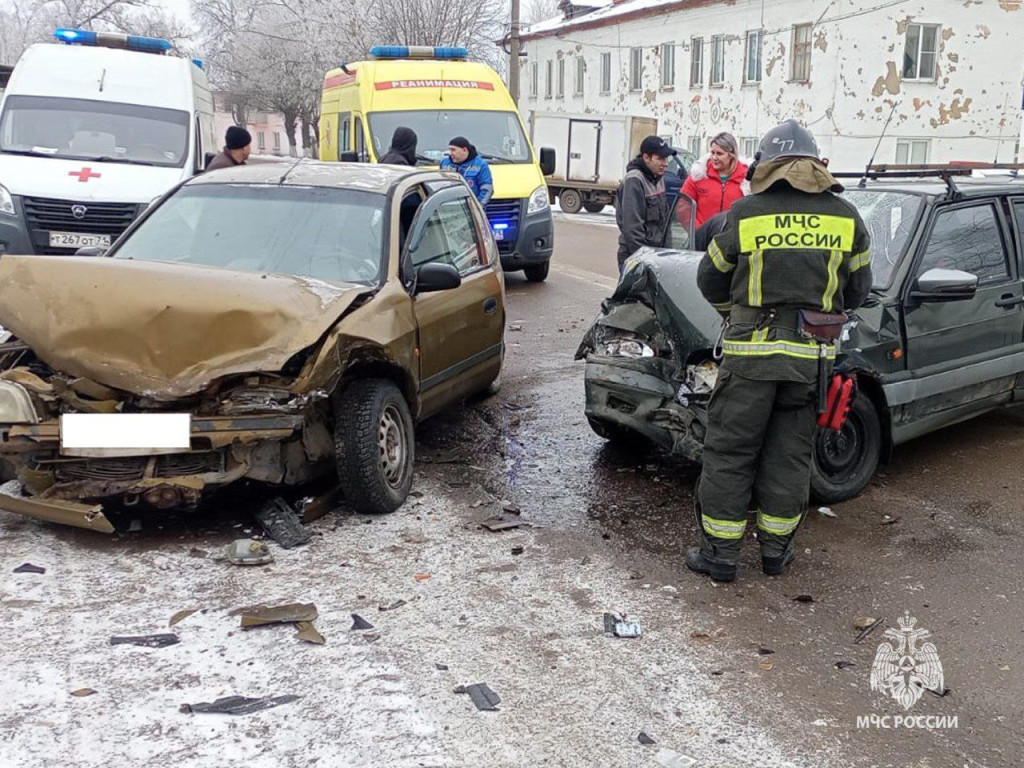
(535, 11)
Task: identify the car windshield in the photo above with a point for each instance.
(333, 235)
(890, 218)
(79, 129)
(498, 136)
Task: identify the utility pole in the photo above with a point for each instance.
(513, 54)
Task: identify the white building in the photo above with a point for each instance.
(269, 133)
(941, 79)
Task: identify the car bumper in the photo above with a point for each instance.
(534, 239)
(14, 233)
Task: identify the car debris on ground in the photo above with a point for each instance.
(619, 627)
(238, 705)
(147, 641)
(282, 524)
(672, 759)
(483, 697)
(358, 622)
(248, 552)
(867, 631)
(181, 616)
(29, 568)
(260, 615)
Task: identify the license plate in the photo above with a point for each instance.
(499, 234)
(124, 434)
(78, 240)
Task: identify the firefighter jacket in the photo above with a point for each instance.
(781, 251)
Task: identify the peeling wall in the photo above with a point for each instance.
(969, 111)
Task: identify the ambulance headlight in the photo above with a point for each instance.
(538, 201)
(6, 201)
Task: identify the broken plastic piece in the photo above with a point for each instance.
(358, 622)
(517, 550)
(83, 692)
(610, 620)
(844, 664)
(421, 576)
(645, 739)
(29, 568)
(258, 615)
(282, 524)
(147, 641)
(485, 699)
(310, 634)
(239, 705)
(627, 629)
(395, 605)
(440, 666)
(181, 616)
(672, 759)
(826, 512)
(248, 552)
(498, 524)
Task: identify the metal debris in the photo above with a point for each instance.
(485, 699)
(441, 667)
(358, 622)
(248, 552)
(282, 524)
(83, 692)
(147, 641)
(309, 633)
(610, 620)
(259, 615)
(867, 631)
(643, 738)
(181, 616)
(314, 507)
(517, 550)
(238, 705)
(394, 606)
(510, 508)
(29, 568)
(497, 524)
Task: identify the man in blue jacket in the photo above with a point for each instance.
(464, 159)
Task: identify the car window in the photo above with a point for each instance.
(449, 238)
(967, 239)
(890, 218)
(1018, 214)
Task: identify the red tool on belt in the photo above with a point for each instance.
(841, 392)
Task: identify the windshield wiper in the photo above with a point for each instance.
(497, 158)
(425, 159)
(26, 152)
(123, 160)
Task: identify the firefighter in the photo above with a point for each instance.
(792, 258)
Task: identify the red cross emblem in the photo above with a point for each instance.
(85, 174)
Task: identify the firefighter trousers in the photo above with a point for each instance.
(758, 448)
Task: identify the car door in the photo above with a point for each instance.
(964, 354)
(460, 330)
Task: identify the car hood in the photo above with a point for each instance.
(85, 181)
(162, 330)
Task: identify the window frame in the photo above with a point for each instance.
(801, 50)
(1009, 255)
(580, 76)
(668, 66)
(534, 78)
(606, 72)
(750, 145)
(910, 144)
(717, 61)
(696, 62)
(560, 79)
(917, 77)
(636, 70)
(758, 36)
(549, 77)
(483, 260)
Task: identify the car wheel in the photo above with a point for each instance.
(374, 445)
(570, 201)
(593, 207)
(537, 273)
(845, 461)
(613, 433)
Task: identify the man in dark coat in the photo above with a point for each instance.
(641, 208)
(237, 147)
(403, 148)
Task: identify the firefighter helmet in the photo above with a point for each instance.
(788, 140)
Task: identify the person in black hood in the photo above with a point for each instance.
(403, 148)
(641, 209)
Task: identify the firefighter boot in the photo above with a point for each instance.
(698, 562)
(776, 566)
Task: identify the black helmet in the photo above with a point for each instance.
(788, 140)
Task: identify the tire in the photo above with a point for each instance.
(570, 201)
(845, 461)
(537, 273)
(613, 433)
(593, 207)
(374, 445)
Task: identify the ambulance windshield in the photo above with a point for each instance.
(497, 136)
(80, 129)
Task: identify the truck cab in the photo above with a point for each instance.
(92, 130)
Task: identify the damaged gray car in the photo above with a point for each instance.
(940, 340)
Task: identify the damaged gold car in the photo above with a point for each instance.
(300, 316)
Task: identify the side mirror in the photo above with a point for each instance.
(945, 285)
(208, 158)
(547, 160)
(91, 250)
(437, 277)
(349, 157)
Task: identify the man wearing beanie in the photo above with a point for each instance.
(464, 159)
(237, 146)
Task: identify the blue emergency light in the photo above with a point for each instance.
(417, 52)
(113, 40)
(198, 63)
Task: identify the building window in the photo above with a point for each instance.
(277, 141)
(801, 70)
(668, 65)
(717, 59)
(581, 69)
(534, 78)
(549, 69)
(636, 68)
(696, 146)
(261, 140)
(561, 78)
(921, 52)
(912, 151)
(750, 145)
(696, 61)
(606, 73)
(753, 58)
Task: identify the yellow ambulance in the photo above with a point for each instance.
(439, 94)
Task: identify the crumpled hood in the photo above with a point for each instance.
(162, 330)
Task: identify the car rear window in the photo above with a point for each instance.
(891, 219)
(327, 234)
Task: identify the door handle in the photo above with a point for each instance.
(491, 306)
(1009, 300)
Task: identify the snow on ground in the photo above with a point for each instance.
(529, 625)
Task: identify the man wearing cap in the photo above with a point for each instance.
(641, 208)
(237, 147)
(466, 161)
(791, 260)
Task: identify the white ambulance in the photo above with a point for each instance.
(91, 131)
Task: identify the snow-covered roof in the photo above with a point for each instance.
(605, 10)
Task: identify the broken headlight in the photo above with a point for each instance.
(632, 348)
(16, 405)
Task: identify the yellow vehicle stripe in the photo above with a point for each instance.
(723, 529)
(754, 283)
(832, 285)
(859, 261)
(765, 349)
(796, 231)
(718, 258)
(781, 526)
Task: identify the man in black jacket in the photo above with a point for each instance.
(403, 148)
(641, 208)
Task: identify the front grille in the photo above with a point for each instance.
(99, 218)
(134, 467)
(506, 212)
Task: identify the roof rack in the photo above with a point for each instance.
(945, 172)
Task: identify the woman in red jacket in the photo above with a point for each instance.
(718, 180)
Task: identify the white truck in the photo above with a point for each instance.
(592, 154)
